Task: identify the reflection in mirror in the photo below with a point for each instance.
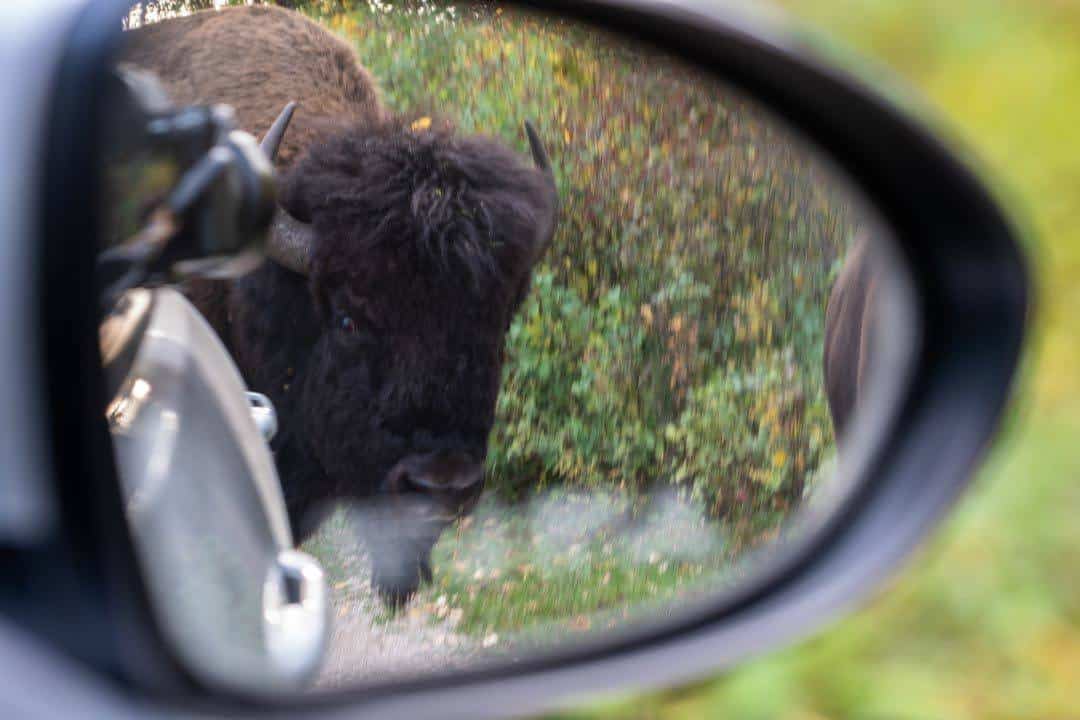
(530, 384)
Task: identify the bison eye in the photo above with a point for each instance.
(346, 323)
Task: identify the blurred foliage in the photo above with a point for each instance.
(674, 332)
(986, 625)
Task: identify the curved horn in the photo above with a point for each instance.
(290, 241)
(540, 156)
(272, 140)
(543, 164)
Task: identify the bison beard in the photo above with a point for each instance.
(385, 361)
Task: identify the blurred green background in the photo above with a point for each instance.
(985, 620)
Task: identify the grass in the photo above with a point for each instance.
(574, 563)
(567, 563)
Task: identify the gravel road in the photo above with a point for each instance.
(367, 642)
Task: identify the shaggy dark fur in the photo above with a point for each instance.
(384, 364)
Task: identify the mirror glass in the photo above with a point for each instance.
(526, 393)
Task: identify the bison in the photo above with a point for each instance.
(850, 318)
(400, 254)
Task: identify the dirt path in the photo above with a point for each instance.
(367, 643)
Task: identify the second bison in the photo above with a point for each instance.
(402, 253)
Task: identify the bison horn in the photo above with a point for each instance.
(290, 241)
(543, 164)
(540, 156)
(272, 141)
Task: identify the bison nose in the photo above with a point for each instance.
(452, 479)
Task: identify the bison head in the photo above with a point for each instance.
(418, 246)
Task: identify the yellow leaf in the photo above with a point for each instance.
(779, 458)
(421, 124)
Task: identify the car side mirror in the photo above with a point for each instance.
(664, 378)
